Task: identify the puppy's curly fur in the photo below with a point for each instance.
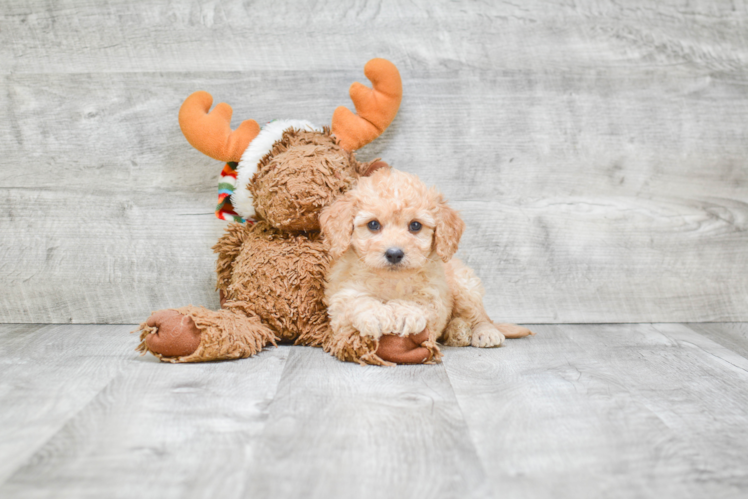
(392, 241)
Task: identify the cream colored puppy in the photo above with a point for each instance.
(392, 240)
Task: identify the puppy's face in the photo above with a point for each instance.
(393, 232)
(393, 223)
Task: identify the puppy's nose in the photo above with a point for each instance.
(394, 255)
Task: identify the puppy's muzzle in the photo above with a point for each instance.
(394, 255)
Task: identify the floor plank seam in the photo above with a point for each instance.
(708, 352)
(467, 428)
(53, 436)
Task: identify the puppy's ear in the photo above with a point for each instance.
(367, 169)
(336, 222)
(448, 230)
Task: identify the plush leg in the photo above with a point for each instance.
(170, 334)
(363, 329)
(349, 345)
(388, 350)
(191, 334)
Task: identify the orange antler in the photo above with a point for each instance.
(376, 107)
(210, 133)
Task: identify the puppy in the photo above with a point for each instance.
(392, 240)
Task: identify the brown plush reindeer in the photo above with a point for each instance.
(272, 260)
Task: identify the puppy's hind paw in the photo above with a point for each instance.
(486, 335)
(457, 333)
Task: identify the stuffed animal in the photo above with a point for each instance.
(272, 260)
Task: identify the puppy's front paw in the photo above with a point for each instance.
(373, 323)
(411, 325)
(486, 335)
(408, 320)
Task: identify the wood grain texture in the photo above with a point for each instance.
(607, 411)
(597, 151)
(81, 36)
(153, 430)
(733, 336)
(341, 430)
(637, 410)
(48, 374)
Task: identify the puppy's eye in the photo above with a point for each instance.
(414, 226)
(374, 225)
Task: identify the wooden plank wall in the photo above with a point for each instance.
(598, 150)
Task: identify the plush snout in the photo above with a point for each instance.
(307, 171)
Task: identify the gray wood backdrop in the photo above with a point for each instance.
(597, 149)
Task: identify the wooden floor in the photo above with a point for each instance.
(631, 410)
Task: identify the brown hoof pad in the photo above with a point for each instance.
(404, 350)
(177, 334)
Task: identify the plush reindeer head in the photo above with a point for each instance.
(286, 172)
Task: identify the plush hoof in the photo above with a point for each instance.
(404, 350)
(177, 335)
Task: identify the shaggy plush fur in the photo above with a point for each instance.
(277, 276)
(271, 274)
(270, 134)
(302, 173)
(370, 295)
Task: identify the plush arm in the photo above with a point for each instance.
(228, 248)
